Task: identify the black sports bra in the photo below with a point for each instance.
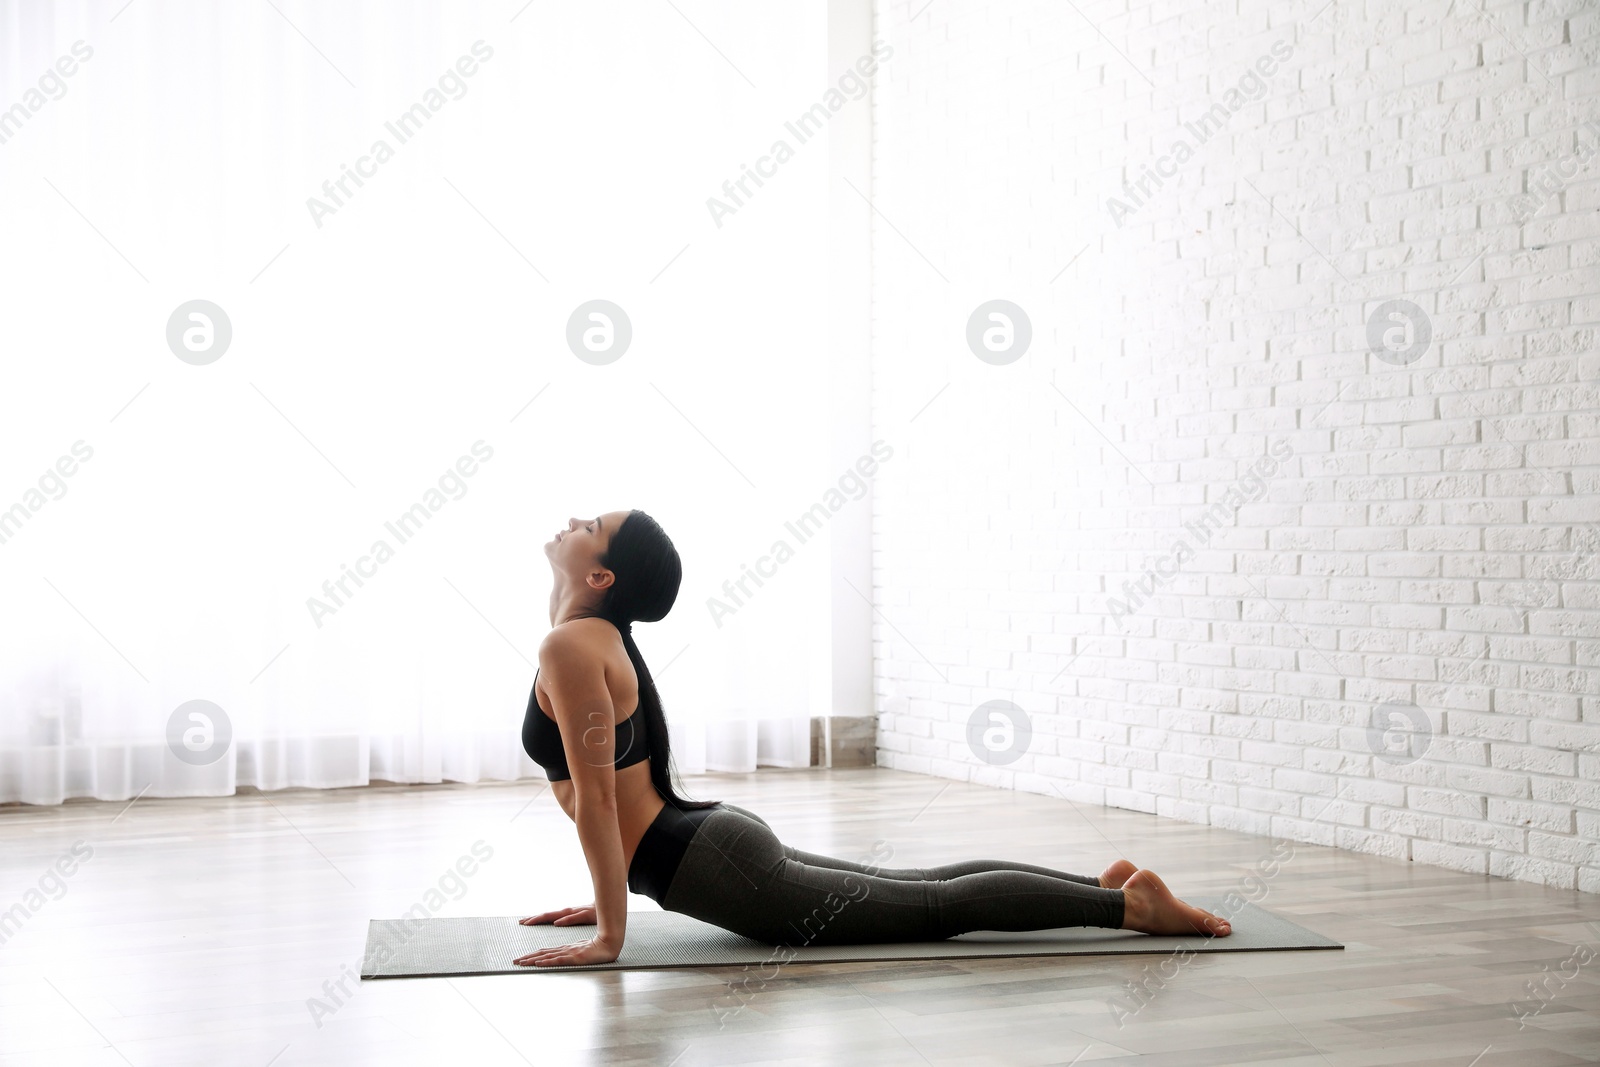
(541, 740)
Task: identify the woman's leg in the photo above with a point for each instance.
(942, 873)
(918, 874)
(824, 905)
(737, 875)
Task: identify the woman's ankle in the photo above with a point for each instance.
(1135, 908)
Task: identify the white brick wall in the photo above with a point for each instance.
(1430, 537)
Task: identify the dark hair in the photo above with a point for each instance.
(648, 573)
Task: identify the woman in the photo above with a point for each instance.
(596, 725)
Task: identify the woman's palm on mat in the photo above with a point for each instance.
(591, 951)
(583, 915)
(580, 954)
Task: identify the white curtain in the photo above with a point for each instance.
(399, 346)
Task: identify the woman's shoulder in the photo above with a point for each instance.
(578, 637)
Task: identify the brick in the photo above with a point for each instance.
(1449, 802)
(1530, 813)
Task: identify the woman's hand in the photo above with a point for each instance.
(593, 950)
(579, 916)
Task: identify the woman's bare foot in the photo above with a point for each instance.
(1149, 907)
(1113, 876)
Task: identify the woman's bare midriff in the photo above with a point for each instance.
(638, 804)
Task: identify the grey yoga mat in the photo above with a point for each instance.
(425, 948)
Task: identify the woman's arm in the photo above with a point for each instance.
(574, 675)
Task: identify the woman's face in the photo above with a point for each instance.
(577, 548)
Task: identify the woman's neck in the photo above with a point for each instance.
(567, 604)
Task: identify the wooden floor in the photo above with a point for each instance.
(209, 931)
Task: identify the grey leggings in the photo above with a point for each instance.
(737, 875)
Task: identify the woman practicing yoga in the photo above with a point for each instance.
(610, 770)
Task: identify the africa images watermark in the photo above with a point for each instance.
(1555, 176)
(52, 485)
(1249, 489)
(1252, 889)
(402, 129)
(1399, 734)
(452, 881)
(1251, 87)
(833, 903)
(855, 481)
(406, 526)
(52, 886)
(855, 81)
(52, 86)
(199, 732)
(1541, 994)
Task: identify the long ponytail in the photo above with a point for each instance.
(648, 573)
(661, 765)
